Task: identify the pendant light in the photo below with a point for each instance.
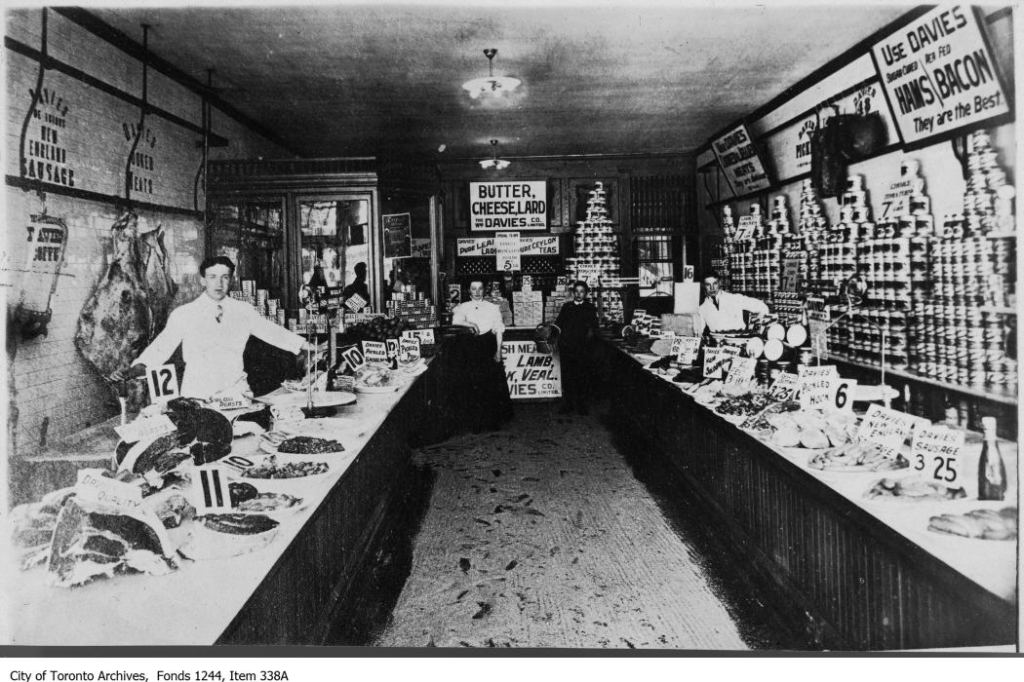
(494, 162)
(490, 86)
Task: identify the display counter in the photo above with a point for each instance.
(857, 573)
(293, 591)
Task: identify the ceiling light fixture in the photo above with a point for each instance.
(491, 85)
(494, 162)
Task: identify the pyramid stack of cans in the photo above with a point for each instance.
(973, 271)
(596, 259)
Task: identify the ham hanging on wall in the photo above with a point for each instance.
(131, 301)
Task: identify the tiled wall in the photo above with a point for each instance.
(52, 387)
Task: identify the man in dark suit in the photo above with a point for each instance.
(578, 329)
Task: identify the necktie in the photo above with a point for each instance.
(220, 312)
(714, 299)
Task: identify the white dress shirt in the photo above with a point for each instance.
(212, 349)
(483, 314)
(728, 314)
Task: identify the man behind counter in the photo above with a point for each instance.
(722, 311)
(212, 331)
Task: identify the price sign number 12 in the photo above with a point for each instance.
(163, 383)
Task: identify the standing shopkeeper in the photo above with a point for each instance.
(480, 386)
(212, 331)
(722, 311)
(577, 329)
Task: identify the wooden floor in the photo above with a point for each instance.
(540, 535)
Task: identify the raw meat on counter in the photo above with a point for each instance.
(981, 524)
(220, 536)
(271, 469)
(858, 457)
(744, 405)
(812, 429)
(269, 502)
(308, 445)
(913, 489)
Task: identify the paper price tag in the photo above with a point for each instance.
(425, 336)
(685, 348)
(840, 394)
(887, 427)
(936, 449)
(211, 494)
(375, 351)
(410, 347)
(236, 462)
(92, 485)
(716, 360)
(145, 427)
(815, 385)
(162, 382)
(784, 386)
(741, 372)
(355, 303)
(353, 357)
(392, 347)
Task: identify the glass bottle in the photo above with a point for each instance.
(991, 467)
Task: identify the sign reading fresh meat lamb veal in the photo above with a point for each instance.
(530, 374)
(740, 162)
(939, 75)
(508, 205)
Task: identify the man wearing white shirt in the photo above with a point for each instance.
(212, 331)
(722, 311)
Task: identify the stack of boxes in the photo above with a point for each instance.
(528, 305)
(556, 299)
(412, 306)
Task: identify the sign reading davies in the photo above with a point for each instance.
(46, 156)
(508, 205)
(939, 74)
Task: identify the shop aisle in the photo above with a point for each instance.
(540, 536)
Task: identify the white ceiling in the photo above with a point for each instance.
(340, 80)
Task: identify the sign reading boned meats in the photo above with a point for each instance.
(740, 162)
(939, 74)
(508, 205)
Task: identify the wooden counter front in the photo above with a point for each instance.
(859, 574)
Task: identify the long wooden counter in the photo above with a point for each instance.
(859, 574)
(290, 592)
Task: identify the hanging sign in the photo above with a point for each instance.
(397, 233)
(44, 259)
(740, 162)
(511, 204)
(507, 252)
(419, 248)
(937, 450)
(939, 75)
(530, 374)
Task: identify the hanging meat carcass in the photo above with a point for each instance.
(114, 327)
(157, 276)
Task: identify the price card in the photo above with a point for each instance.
(375, 351)
(144, 427)
(392, 347)
(717, 359)
(685, 349)
(815, 385)
(237, 462)
(353, 357)
(508, 251)
(784, 386)
(887, 427)
(355, 303)
(937, 450)
(211, 495)
(163, 383)
(425, 336)
(840, 394)
(95, 487)
(410, 347)
(741, 372)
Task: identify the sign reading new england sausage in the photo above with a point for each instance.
(939, 75)
(508, 205)
(740, 162)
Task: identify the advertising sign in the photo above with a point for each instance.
(740, 162)
(507, 251)
(939, 75)
(397, 233)
(530, 374)
(508, 205)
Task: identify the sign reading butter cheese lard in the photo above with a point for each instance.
(508, 205)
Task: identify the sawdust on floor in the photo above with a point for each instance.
(539, 535)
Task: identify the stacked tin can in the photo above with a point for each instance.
(973, 268)
(813, 230)
(767, 254)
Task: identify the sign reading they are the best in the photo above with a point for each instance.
(508, 205)
(939, 75)
(740, 162)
